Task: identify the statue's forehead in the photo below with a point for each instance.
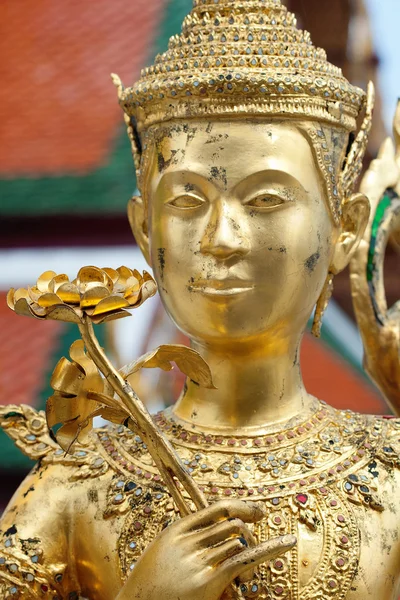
(241, 146)
(216, 131)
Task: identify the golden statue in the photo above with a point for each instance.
(243, 140)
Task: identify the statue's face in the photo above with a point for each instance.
(240, 230)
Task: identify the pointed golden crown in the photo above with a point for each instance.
(242, 57)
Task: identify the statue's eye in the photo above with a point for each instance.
(265, 201)
(186, 201)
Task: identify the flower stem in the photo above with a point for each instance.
(166, 459)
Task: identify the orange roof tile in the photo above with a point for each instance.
(335, 381)
(25, 350)
(55, 79)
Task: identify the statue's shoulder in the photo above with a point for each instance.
(27, 427)
(377, 436)
(387, 430)
(110, 449)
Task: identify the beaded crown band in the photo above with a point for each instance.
(247, 57)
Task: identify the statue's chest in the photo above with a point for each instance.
(325, 561)
(325, 564)
(332, 489)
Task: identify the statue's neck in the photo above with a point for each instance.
(258, 387)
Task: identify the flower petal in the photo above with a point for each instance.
(57, 281)
(93, 296)
(44, 280)
(11, 299)
(34, 293)
(112, 273)
(14, 295)
(105, 318)
(63, 312)
(48, 299)
(110, 304)
(148, 289)
(68, 293)
(88, 276)
(124, 274)
(22, 307)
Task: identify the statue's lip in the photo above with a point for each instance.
(221, 287)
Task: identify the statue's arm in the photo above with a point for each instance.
(379, 324)
(34, 553)
(34, 557)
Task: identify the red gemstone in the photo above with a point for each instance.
(302, 498)
(340, 562)
(44, 587)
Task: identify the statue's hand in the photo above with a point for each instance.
(199, 556)
(379, 325)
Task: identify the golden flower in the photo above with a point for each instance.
(101, 294)
(80, 394)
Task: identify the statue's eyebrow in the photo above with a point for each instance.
(274, 175)
(187, 177)
(183, 176)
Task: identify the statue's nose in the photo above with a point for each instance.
(225, 234)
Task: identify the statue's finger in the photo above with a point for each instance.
(225, 551)
(249, 512)
(252, 557)
(221, 532)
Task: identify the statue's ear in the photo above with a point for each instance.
(355, 216)
(138, 223)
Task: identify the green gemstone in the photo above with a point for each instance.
(383, 205)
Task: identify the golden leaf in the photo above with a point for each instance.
(80, 394)
(189, 361)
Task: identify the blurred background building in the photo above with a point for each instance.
(66, 175)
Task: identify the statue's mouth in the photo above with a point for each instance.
(221, 287)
